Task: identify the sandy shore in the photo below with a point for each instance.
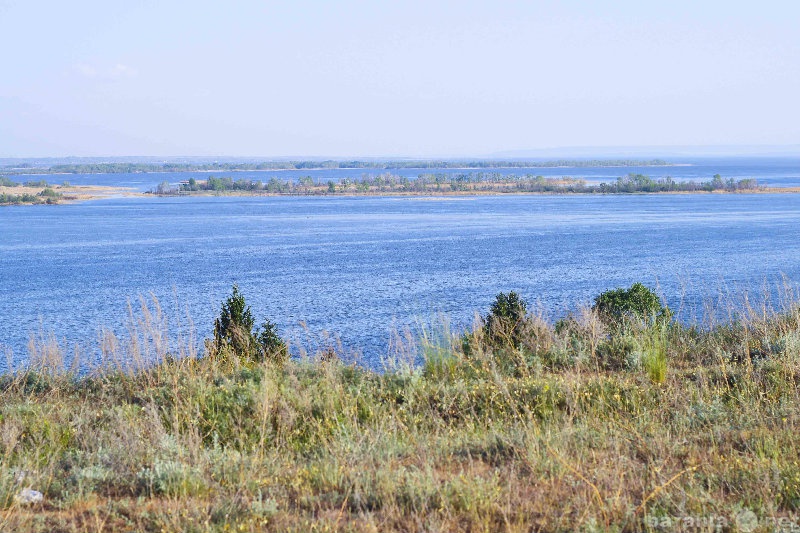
(72, 193)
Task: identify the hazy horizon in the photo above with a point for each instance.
(574, 153)
(413, 80)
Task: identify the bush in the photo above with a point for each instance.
(234, 326)
(234, 329)
(619, 352)
(49, 193)
(270, 345)
(638, 303)
(504, 324)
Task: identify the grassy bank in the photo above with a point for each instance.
(613, 419)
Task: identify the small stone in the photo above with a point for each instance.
(29, 496)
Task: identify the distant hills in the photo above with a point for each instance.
(436, 164)
(559, 154)
(625, 152)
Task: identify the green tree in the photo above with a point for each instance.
(503, 325)
(215, 184)
(234, 329)
(270, 346)
(234, 326)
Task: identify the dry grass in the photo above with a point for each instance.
(544, 437)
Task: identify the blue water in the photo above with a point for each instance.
(773, 172)
(358, 267)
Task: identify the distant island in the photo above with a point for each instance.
(384, 184)
(128, 167)
(448, 184)
(42, 192)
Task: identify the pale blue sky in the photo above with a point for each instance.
(350, 78)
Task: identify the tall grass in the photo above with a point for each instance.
(577, 427)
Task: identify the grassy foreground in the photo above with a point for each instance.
(589, 424)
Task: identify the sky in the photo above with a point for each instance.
(401, 79)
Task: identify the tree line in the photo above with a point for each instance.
(476, 182)
(124, 168)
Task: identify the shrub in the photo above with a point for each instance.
(270, 345)
(506, 319)
(638, 303)
(234, 326)
(50, 193)
(234, 329)
(619, 352)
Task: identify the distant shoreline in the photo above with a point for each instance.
(354, 165)
(267, 170)
(377, 194)
(72, 194)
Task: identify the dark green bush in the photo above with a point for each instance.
(270, 345)
(234, 326)
(504, 324)
(234, 330)
(636, 304)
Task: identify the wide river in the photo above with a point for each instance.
(360, 267)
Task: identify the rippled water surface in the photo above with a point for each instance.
(360, 266)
